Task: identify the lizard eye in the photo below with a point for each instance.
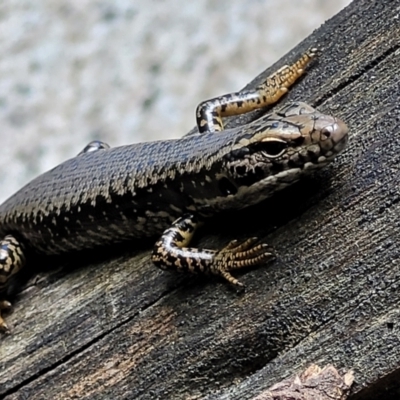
(273, 148)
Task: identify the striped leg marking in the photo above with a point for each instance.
(12, 259)
(210, 112)
(171, 252)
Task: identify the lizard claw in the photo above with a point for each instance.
(240, 255)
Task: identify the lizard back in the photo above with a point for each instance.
(130, 191)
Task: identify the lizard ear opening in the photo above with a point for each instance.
(226, 186)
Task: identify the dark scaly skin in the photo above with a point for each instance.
(109, 195)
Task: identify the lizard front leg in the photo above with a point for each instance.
(12, 259)
(171, 252)
(209, 113)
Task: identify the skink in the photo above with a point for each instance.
(107, 195)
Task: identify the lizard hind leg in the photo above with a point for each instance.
(171, 252)
(12, 259)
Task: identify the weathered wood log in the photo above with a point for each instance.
(314, 383)
(120, 328)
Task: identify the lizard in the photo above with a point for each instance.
(168, 188)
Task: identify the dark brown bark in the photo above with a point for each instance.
(120, 328)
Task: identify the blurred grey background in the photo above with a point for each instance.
(127, 71)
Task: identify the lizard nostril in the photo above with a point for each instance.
(326, 133)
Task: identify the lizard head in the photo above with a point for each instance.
(284, 145)
(276, 150)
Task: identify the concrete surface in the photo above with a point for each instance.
(124, 71)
